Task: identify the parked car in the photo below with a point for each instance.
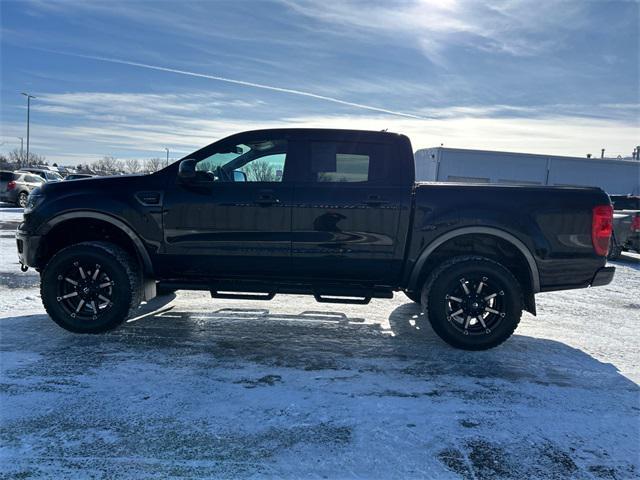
(78, 176)
(15, 187)
(47, 175)
(331, 213)
(626, 225)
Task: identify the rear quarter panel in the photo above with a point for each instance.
(554, 223)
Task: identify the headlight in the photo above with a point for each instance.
(35, 198)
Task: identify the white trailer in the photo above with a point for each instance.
(614, 176)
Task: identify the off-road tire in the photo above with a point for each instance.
(122, 269)
(434, 303)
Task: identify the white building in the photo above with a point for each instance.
(482, 166)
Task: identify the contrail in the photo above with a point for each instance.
(243, 83)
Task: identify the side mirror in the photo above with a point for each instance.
(239, 176)
(187, 169)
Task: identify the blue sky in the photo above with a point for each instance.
(129, 79)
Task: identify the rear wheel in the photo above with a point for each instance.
(91, 287)
(22, 199)
(472, 303)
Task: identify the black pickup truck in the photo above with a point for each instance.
(331, 213)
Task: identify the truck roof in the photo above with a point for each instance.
(326, 131)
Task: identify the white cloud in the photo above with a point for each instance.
(80, 127)
(516, 27)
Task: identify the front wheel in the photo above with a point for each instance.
(91, 287)
(472, 303)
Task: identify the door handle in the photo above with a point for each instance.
(375, 200)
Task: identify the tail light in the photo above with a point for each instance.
(635, 224)
(11, 185)
(601, 228)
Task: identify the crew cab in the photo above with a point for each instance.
(331, 213)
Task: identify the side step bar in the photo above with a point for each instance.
(239, 290)
(242, 296)
(336, 299)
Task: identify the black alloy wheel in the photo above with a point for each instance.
(474, 305)
(85, 291)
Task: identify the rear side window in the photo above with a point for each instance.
(32, 179)
(7, 176)
(339, 162)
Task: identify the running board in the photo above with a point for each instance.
(336, 299)
(243, 296)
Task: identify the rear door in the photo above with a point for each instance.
(347, 208)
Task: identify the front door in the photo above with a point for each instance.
(234, 218)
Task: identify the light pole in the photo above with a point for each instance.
(167, 164)
(21, 145)
(29, 97)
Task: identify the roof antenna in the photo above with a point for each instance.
(384, 130)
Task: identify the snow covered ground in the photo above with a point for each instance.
(291, 388)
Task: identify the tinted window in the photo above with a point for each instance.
(260, 161)
(338, 162)
(7, 176)
(32, 179)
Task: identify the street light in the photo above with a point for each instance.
(167, 157)
(29, 97)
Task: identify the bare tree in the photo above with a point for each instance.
(260, 171)
(4, 163)
(108, 165)
(20, 158)
(153, 165)
(132, 165)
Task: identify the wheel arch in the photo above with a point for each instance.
(418, 271)
(139, 249)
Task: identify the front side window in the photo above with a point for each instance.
(254, 161)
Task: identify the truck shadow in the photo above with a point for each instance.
(317, 340)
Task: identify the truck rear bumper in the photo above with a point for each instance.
(604, 276)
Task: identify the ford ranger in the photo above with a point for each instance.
(335, 214)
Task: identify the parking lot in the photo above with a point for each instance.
(291, 388)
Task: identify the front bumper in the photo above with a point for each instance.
(603, 276)
(28, 248)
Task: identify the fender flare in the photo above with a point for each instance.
(496, 232)
(137, 242)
